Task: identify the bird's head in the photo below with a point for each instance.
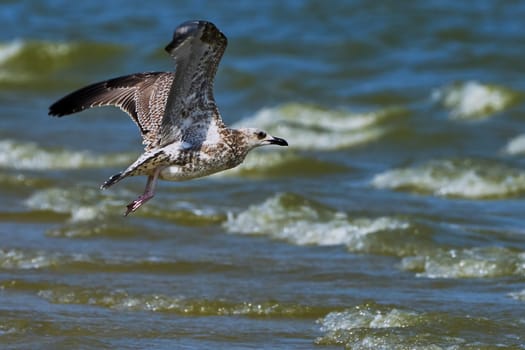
(254, 137)
(189, 33)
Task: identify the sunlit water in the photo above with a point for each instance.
(395, 219)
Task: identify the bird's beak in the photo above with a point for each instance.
(277, 141)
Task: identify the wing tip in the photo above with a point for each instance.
(57, 110)
(54, 112)
(111, 181)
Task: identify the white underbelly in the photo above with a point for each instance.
(182, 173)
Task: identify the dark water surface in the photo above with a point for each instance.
(395, 219)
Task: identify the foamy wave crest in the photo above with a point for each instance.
(15, 50)
(463, 178)
(473, 100)
(369, 316)
(15, 259)
(30, 156)
(487, 262)
(518, 295)
(8, 53)
(76, 202)
(373, 326)
(516, 145)
(331, 129)
(302, 222)
(88, 206)
(29, 61)
(122, 300)
(10, 50)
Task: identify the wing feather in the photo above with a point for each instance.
(142, 96)
(166, 106)
(191, 113)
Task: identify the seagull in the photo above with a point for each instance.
(182, 130)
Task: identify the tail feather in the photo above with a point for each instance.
(146, 163)
(112, 180)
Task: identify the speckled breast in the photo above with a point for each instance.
(199, 164)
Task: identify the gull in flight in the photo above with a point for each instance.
(183, 134)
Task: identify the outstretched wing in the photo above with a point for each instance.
(191, 114)
(143, 96)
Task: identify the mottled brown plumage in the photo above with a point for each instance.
(142, 95)
(180, 124)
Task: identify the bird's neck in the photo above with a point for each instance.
(237, 143)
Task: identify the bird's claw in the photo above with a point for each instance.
(133, 206)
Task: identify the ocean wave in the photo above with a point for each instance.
(12, 181)
(486, 262)
(120, 299)
(302, 222)
(87, 208)
(370, 316)
(16, 259)
(10, 50)
(26, 259)
(30, 63)
(518, 295)
(474, 100)
(31, 156)
(312, 128)
(374, 326)
(516, 145)
(87, 221)
(82, 204)
(462, 178)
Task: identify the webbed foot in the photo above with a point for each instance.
(133, 206)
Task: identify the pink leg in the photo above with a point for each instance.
(149, 192)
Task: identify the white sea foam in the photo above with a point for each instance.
(8, 53)
(518, 295)
(122, 300)
(379, 327)
(16, 259)
(41, 51)
(331, 129)
(487, 262)
(473, 100)
(516, 145)
(117, 299)
(361, 317)
(88, 206)
(19, 57)
(81, 203)
(288, 217)
(10, 50)
(465, 178)
(27, 62)
(31, 156)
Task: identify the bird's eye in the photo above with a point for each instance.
(260, 135)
